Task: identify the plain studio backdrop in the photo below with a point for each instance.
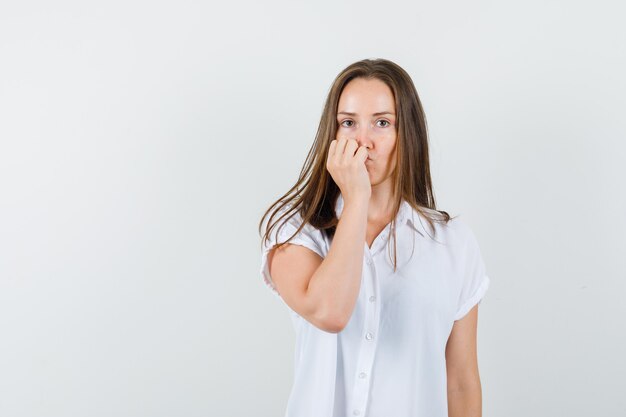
(142, 141)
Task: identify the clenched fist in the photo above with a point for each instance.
(346, 164)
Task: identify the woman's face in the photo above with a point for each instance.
(367, 113)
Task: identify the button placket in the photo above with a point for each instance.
(380, 241)
(369, 342)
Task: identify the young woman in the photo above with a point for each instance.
(382, 287)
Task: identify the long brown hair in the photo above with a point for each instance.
(315, 193)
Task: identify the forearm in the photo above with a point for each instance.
(465, 399)
(337, 281)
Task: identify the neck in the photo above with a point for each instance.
(381, 203)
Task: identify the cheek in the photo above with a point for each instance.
(341, 131)
(391, 154)
(391, 146)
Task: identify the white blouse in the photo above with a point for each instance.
(389, 360)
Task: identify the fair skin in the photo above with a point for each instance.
(324, 290)
(464, 387)
(366, 114)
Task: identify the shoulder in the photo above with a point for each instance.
(459, 229)
(462, 241)
(455, 233)
(292, 224)
(295, 219)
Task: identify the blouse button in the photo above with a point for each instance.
(368, 261)
(372, 298)
(368, 336)
(362, 375)
(355, 412)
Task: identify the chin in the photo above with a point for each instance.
(377, 180)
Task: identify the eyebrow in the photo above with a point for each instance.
(380, 113)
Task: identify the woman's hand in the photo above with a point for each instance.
(346, 164)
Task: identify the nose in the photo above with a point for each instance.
(364, 136)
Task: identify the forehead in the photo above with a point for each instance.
(366, 96)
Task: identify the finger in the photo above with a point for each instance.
(351, 148)
(339, 150)
(362, 153)
(341, 147)
(332, 148)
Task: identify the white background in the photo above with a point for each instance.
(140, 143)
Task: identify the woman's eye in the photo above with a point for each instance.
(346, 121)
(384, 121)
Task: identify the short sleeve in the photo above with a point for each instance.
(309, 237)
(475, 281)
